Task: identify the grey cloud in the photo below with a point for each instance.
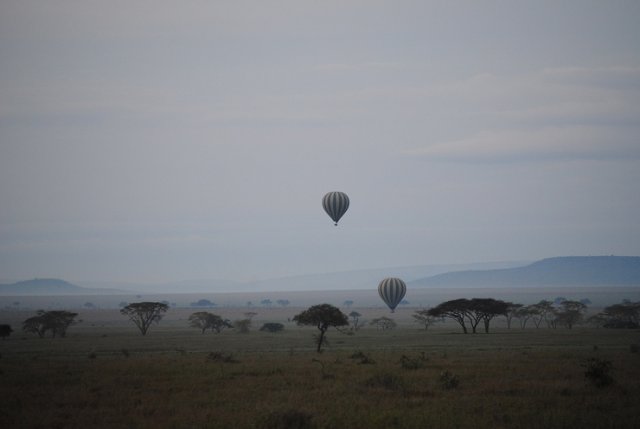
(548, 144)
(155, 140)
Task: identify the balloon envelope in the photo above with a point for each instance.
(335, 204)
(392, 290)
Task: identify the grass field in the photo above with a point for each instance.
(106, 375)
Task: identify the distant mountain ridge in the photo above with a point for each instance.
(49, 287)
(555, 272)
(353, 279)
(340, 280)
(558, 271)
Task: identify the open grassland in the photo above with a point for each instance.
(105, 375)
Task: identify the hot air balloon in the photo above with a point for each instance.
(392, 291)
(335, 204)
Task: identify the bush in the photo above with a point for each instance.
(363, 358)
(598, 372)
(221, 357)
(5, 331)
(272, 327)
(385, 381)
(202, 303)
(413, 363)
(621, 324)
(448, 380)
(243, 325)
(291, 419)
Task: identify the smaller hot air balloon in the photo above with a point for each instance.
(392, 291)
(335, 204)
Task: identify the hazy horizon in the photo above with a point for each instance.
(157, 142)
(313, 281)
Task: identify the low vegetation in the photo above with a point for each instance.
(272, 327)
(108, 375)
(5, 330)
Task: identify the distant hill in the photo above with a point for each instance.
(560, 271)
(342, 280)
(576, 271)
(355, 279)
(49, 287)
(362, 279)
(183, 286)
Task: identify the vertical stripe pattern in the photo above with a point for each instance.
(335, 204)
(392, 290)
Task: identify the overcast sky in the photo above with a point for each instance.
(167, 140)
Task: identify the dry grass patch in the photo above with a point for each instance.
(167, 379)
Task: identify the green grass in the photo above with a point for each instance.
(507, 379)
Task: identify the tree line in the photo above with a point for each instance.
(468, 313)
(55, 322)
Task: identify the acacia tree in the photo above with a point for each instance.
(384, 323)
(571, 312)
(143, 314)
(59, 321)
(623, 315)
(36, 324)
(457, 309)
(424, 318)
(543, 310)
(56, 321)
(486, 309)
(283, 302)
(524, 314)
(470, 311)
(322, 316)
(512, 312)
(218, 324)
(355, 320)
(200, 320)
(204, 320)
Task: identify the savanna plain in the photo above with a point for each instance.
(104, 374)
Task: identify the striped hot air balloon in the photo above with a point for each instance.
(335, 204)
(392, 291)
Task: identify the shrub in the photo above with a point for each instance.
(221, 357)
(323, 370)
(272, 327)
(290, 419)
(385, 381)
(413, 363)
(448, 380)
(363, 358)
(243, 325)
(5, 331)
(620, 324)
(598, 372)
